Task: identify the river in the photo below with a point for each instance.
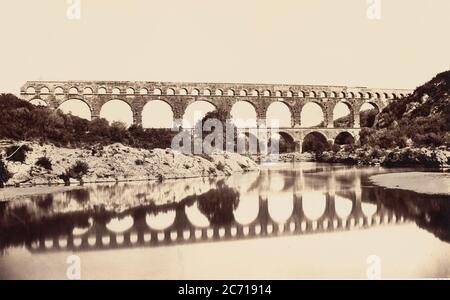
(287, 221)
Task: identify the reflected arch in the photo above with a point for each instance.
(120, 225)
(312, 115)
(286, 143)
(195, 216)
(195, 112)
(247, 210)
(280, 206)
(77, 108)
(38, 102)
(314, 204)
(157, 114)
(279, 115)
(343, 206)
(161, 220)
(117, 110)
(243, 115)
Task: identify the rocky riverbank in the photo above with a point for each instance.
(405, 157)
(117, 162)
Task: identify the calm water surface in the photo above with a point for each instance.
(292, 221)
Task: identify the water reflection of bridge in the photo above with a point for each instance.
(178, 228)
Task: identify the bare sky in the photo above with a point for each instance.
(284, 41)
(325, 42)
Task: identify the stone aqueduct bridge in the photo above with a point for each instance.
(222, 95)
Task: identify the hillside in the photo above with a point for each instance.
(420, 120)
(22, 121)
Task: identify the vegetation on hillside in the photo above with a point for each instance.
(420, 120)
(25, 122)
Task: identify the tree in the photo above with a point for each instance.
(5, 175)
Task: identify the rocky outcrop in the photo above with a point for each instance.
(409, 157)
(405, 157)
(117, 162)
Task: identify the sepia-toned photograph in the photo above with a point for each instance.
(252, 140)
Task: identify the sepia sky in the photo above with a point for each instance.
(324, 42)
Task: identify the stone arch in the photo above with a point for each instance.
(76, 107)
(315, 141)
(368, 112)
(31, 90)
(289, 94)
(344, 138)
(218, 92)
(312, 94)
(183, 92)
(206, 92)
(246, 138)
(278, 94)
(73, 91)
(343, 115)
(279, 112)
(286, 143)
(244, 114)
(312, 114)
(195, 92)
(266, 93)
(116, 91)
(230, 92)
(143, 91)
(129, 91)
(59, 90)
(117, 110)
(45, 90)
(157, 114)
(101, 91)
(255, 93)
(242, 93)
(301, 94)
(170, 92)
(157, 91)
(88, 91)
(322, 94)
(195, 111)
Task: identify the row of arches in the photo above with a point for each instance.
(217, 92)
(159, 114)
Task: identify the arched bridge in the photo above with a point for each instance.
(178, 96)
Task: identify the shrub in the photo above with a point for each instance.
(44, 162)
(220, 166)
(17, 153)
(139, 162)
(5, 175)
(79, 169)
